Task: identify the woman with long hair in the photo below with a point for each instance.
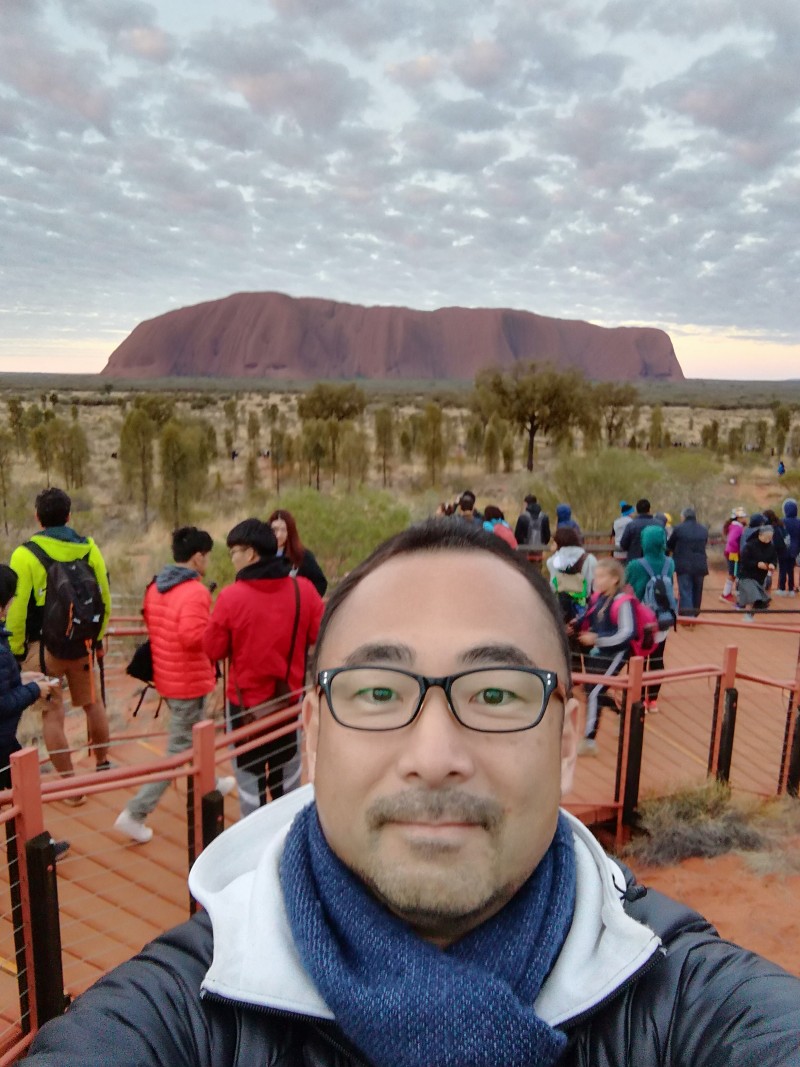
(303, 560)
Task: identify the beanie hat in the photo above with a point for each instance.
(625, 507)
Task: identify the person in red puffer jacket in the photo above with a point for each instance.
(255, 623)
(176, 609)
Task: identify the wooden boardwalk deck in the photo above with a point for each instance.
(115, 896)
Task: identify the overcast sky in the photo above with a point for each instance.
(631, 161)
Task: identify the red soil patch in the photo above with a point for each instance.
(757, 911)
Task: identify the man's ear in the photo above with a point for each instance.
(311, 713)
(569, 745)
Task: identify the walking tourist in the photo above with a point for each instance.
(564, 519)
(532, 530)
(32, 619)
(651, 577)
(733, 530)
(426, 902)
(618, 528)
(263, 624)
(631, 540)
(494, 521)
(786, 576)
(688, 544)
(302, 559)
(607, 629)
(176, 609)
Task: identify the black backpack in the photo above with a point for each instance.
(73, 610)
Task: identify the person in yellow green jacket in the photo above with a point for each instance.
(24, 621)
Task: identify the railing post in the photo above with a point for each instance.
(727, 681)
(725, 751)
(633, 773)
(200, 781)
(630, 747)
(213, 816)
(27, 796)
(793, 777)
(48, 976)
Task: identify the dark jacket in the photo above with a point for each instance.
(309, 568)
(687, 543)
(792, 524)
(631, 540)
(702, 1003)
(522, 530)
(14, 696)
(754, 552)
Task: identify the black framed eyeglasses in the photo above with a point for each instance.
(492, 700)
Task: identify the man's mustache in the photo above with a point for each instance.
(444, 805)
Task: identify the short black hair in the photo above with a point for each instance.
(8, 584)
(466, 501)
(53, 507)
(187, 540)
(642, 506)
(531, 499)
(253, 533)
(436, 536)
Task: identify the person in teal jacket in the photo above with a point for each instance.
(654, 550)
(58, 539)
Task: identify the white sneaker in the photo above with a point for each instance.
(226, 785)
(749, 617)
(587, 747)
(135, 830)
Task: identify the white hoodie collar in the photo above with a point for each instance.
(237, 880)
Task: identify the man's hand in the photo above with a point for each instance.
(588, 637)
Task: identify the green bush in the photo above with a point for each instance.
(594, 484)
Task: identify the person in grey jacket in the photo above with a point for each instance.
(688, 545)
(427, 901)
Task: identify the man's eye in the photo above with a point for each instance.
(377, 694)
(494, 697)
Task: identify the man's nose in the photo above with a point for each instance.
(436, 747)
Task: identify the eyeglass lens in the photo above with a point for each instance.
(379, 698)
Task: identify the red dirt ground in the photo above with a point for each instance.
(761, 912)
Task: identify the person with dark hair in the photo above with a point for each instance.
(532, 530)
(58, 541)
(427, 901)
(631, 540)
(302, 559)
(494, 521)
(688, 545)
(466, 511)
(781, 539)
(263, 624)
(176, 609)
(757, 563)
(571, 570)
(792, 524)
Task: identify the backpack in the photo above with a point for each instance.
(659, 596)
(73, 610)
(534, 539)
(644, 620)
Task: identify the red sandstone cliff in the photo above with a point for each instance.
(270, 335)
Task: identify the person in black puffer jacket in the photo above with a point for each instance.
(425, 902)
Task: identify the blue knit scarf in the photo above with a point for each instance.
(402, 1001)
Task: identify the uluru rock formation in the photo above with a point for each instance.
(274, 336)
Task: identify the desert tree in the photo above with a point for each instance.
(314, 447)
(183, 455)
(6, 460)
(655, 437)
(158, 406)
(72, 452)
(384, 439)
(278, 442)
(782, 414)
(431, 441)
(17, 423)
(253, 430)
(354, 454)
(535, 398)
(329, 401)
(473, 437)
(231, 410)
(45, 439)
(136, 457)
(616, 405)
(709, 435)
